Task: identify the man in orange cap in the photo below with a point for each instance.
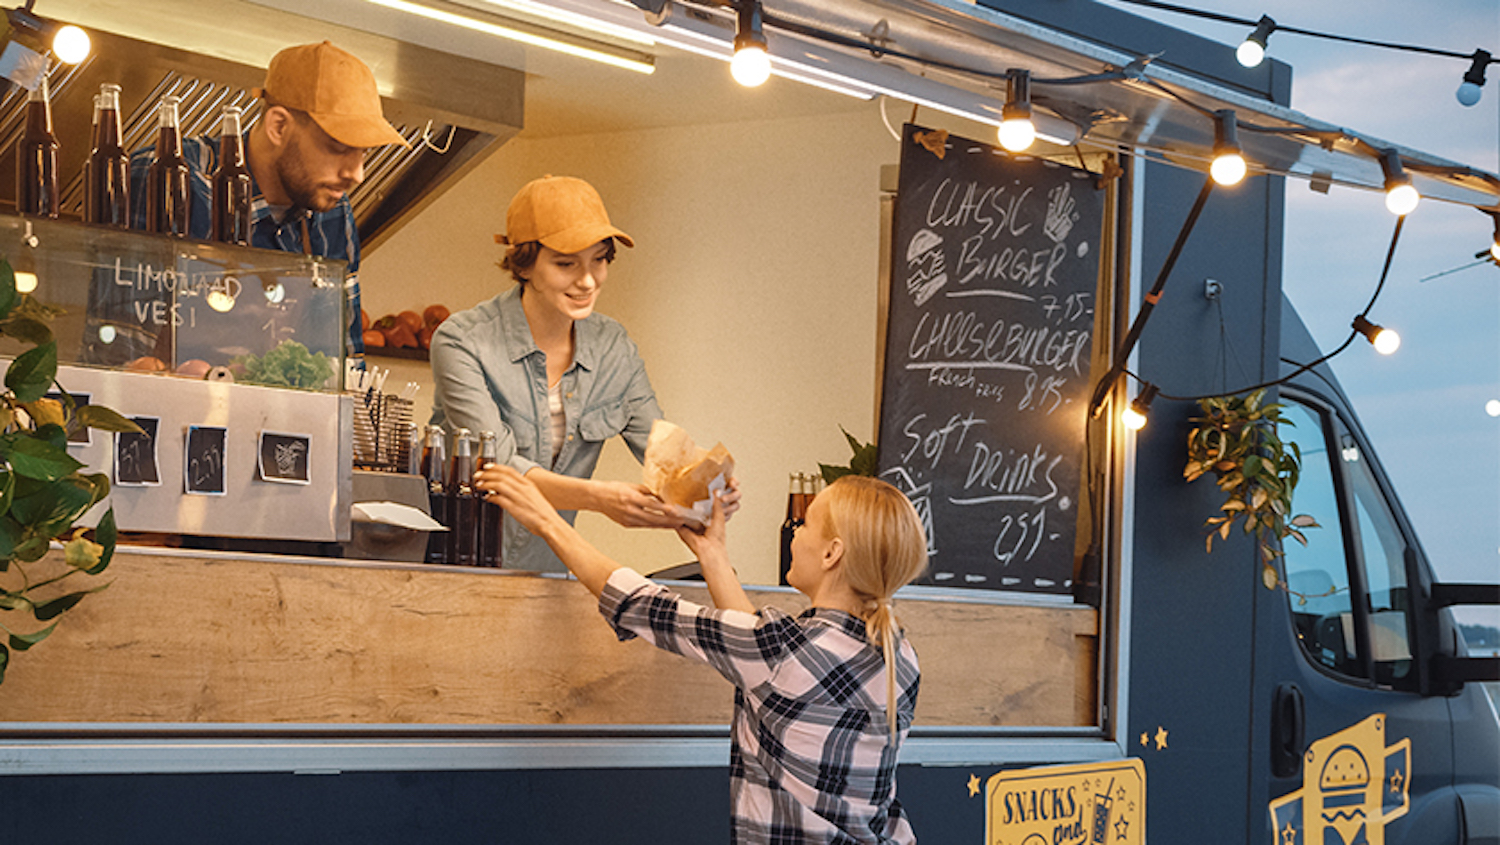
(320, 114)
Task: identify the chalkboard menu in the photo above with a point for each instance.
(989, 339)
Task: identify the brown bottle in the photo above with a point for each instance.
(463, 505)
(230, 216)
(36, 158)
(435, 471)
(167, 192)
(106, 174)
(489, 516)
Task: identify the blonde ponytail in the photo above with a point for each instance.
(882, 629)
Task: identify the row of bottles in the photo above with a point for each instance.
(800, 493)
(474, 525)
(106, 172)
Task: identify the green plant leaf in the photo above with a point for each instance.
(22, 642)
(834, 473)
(8, 294)
(106, 536)
(34, 332)
(60, 605)
(34, 457)
(106, 419)
(31, 549)
(864, 461)
(32, 373)
(13, 601)
(4, 661)
(7, 491)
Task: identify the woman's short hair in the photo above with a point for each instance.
(521, 258)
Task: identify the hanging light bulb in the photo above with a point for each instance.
(1495, 245)
(1253, 51)
(1017, 132)
(1472, 88)
(71, 45)
(751, 65)
(1384, 340)
(1228, 167)
(25, 282)
(1135, 414)
(1401, 197)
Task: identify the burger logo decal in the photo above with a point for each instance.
(1353, 785)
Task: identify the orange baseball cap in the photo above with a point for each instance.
(563, 213)
(335, 88)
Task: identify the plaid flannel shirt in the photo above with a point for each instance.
(810, 753)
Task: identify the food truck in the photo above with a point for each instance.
(846, 247)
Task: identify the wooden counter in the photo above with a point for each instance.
(223, 639)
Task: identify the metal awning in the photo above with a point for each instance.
(1135, 104)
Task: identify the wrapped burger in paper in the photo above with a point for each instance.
(682, 474)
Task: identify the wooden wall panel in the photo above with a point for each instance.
(202, 639)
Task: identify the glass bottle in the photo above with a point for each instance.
(167, 192)
(415, 442)
(462, 503)
(106, 173)
(229, 218)
(36, 159)
(489, 517)
(789, 524)
(435, 470)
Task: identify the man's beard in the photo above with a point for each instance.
(291, 169)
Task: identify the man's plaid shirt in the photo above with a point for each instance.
(810, 753)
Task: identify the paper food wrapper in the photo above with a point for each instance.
(682, 474)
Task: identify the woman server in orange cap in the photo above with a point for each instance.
(550, 376)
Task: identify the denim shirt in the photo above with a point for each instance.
(490, 376)
(330, 234)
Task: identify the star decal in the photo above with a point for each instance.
(1396, 779)
(1288, 835)
(1121, 827)
(1145, 739)
(1161, 738)
(973, 785)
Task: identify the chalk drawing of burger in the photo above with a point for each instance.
(926, 272)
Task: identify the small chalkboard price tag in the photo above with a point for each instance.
(135, 455)
(285, 458)
(203, 460)
(78, 435)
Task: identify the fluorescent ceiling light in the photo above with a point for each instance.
(525, 37)
(584, 22)
(716, 49)
(815, 65)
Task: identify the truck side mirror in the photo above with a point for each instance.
(1439, 670)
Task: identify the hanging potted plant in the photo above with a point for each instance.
(1237, 440)
(43, 490)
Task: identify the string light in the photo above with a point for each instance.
(1017, 132)
(1401, 197)
(1135, 415)
(751, 65)
(1383, 339)
(1228, 167)
(1472, 88)
(1495, 245)
(68, 43)
(1253, 50)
